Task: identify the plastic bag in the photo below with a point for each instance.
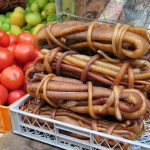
(132, 12)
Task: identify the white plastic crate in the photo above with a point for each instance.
(22, 125)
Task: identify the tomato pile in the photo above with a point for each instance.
(16, 55)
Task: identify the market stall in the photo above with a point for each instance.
(86, 76)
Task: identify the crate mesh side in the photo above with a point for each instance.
(29, 124)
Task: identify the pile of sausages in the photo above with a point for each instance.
(96, 69)
(122, 41)
(93, 69)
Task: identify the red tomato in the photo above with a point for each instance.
(24, 88)
(24, 52)
(27, 65)
(3, 95)
(15, 95)
(6, 58)
(37, 53)
(11, 47)
(12, 78)
(25, 37)
(17, 65)
(4, 39)
(13, 39)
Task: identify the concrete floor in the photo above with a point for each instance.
(1, 134)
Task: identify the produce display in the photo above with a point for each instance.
(88, 74)
(28, 19)
(16, 55)
(128, 129)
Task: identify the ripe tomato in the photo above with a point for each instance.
(13, 96)
(13, 39)
(24, 52)
(6, 58)
(27, 65)
(11, 47)
(37, 53)
(3, 95)
(4, 39)
(12, 78)
(25, 37)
